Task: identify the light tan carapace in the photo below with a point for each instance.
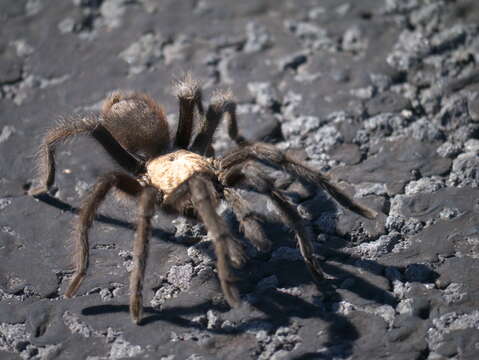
(168, 172)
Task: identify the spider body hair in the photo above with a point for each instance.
(151, 135)
(181, 176)
(169, 171)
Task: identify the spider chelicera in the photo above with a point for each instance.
(183, 176)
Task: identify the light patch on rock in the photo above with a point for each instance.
(4, 203)
(22, 47)
(180, 276)
(454, 293)
(424, 185)
(257, 38)
(76, 326)
(15, 338)
(366, 189)
(143, 53)
(448, 323)
(112, 12)
(121, 349)
(7, 131)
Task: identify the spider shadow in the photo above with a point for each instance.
(63, 206)
(340, 329)
(277, 308)
(280, 309)
(174, 315)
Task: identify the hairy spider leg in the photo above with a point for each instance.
(227, 249)
(67, 128)
(222, 103)
(269, 154)
(250, 221)
(249, 173)
(90, 205)
(291, 218)
(146, 210)
(189, 95)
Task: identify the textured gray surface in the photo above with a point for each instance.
(383, 95)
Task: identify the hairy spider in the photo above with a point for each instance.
(181, 175)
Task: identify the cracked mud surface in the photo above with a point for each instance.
(383, 95)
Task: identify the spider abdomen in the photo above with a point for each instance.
(169, 171)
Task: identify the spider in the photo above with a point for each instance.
(181, 175)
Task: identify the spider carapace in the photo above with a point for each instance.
(182, 175)
(168, 172)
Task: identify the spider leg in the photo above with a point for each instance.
(250, 221)
(70, 127)
(270, 154)
(290, 216)
(146, 211)
(222, 103)
(88, 209)
(189, 96)
(227, 249)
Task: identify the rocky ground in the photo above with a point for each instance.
(382, 95)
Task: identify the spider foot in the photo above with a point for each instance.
(74, 285)
(254, 232)
(231, 294)
(136, 308)
(38, 190)
(187, 88)
(237, 253)
(315, 270)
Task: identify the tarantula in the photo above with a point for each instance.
(181, 175)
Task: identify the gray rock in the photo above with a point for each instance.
(454, 113)
(407, 152)
(265, 94)
(472, 145)
(292, 61)
(180, 276)
(286, 253)
(270, 282)
(424, 185)
(112, 12)
(424, 130)
(311, 36)
(400, 7)
(144, 53)
(473, 108)
(381, 98)
(67, 25)
(257, 126)
(412, 47)
(10, 65)
(448, 38)
(257, 38)
(354, 40)
(386, 103)
(382, 246)
(440, 332)
(449, 150)
(464, 170)
(385, 124)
